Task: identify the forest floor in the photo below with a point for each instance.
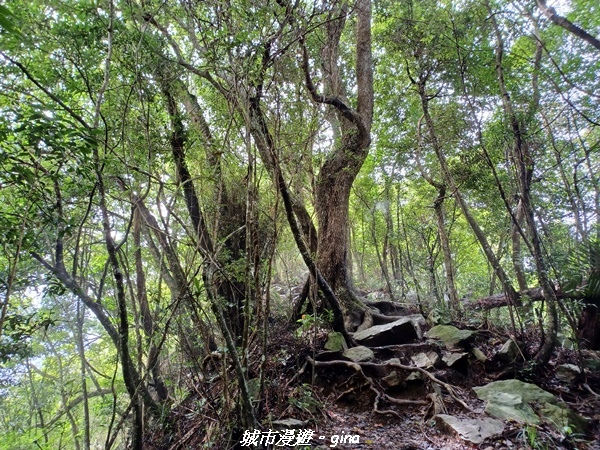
(415, 427)
(336, 403)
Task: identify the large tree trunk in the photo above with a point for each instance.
(332, 204)
(342, 165)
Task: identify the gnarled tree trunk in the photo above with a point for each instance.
(343, 163)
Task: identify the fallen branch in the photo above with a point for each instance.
(534, 295)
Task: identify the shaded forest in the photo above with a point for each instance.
(223, 217)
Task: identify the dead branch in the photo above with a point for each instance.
(534, 295)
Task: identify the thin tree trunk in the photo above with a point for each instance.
(449, 180)
(524, 165)
(82, 374)
(517, 257)
(445, 244)
(382, 260)
(146, 315)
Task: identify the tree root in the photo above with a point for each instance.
(358, 368)
(379, 394)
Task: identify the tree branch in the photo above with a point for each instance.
(563, 22)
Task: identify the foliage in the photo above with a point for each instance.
(98, 234)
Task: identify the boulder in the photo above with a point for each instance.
(509, 352)
(359, 354)
(450, 335)
(513, 400)
(503, 405)
(418, 322)
(472, 430)
(400, 331)
(336, 342)
(530, 393)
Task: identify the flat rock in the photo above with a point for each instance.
(513, 409)
(530, 393)
(513, 400)
(359, 354)
(425, 360)
(472, 430)
(454, 359)
(450, 335)
(289, 423)
(401, 331)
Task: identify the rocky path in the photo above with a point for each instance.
(409, 384)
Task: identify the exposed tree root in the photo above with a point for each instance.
(435, 400)
(429, 345)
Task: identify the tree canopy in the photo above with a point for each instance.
(176, 177)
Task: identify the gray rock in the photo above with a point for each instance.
(567, 373)
(513, 400)
(561, 417)
(472, 430)
(392, 379)
(530, 393)
(415, 376)
(450, 335)
(289, 423)
(360, 353)
(519, 411)
(509, 352)
(425, 360)
(418, 322)
(452, 359)
(336, 342)
(401, 331)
